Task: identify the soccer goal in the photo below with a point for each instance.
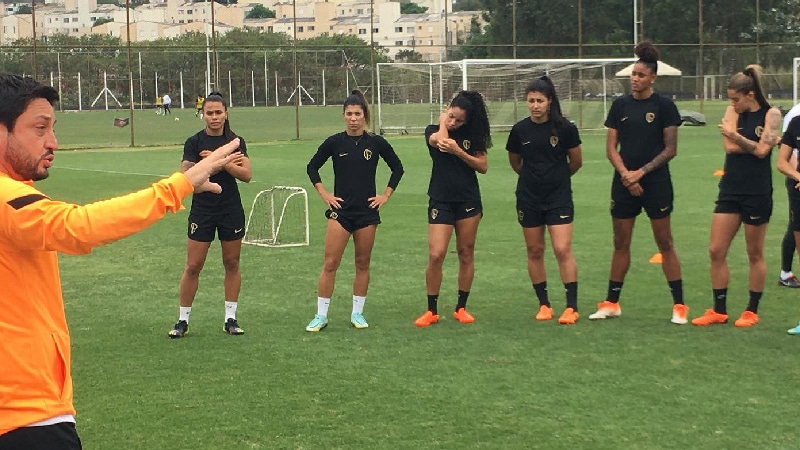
(412, 95)
(795, 80)
(278, 218)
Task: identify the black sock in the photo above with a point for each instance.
(720, 300)
(541, 293)
(787, 249)
(462, 299)
(676, 289)
(571, 290)
(614, 289)
(432, 301)
(755, 298)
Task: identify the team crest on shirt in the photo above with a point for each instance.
(192, 228)
(553, 141)
(367, 154)
(650, 117)
(759, 130)
(466, 144)
(434, 213)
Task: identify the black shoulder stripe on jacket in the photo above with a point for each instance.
(21, 202)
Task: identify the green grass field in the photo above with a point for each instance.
(504, 382)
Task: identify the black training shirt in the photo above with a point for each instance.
(355, 161)
(209, 203)
(545, 168)
(641, 124)
(453, 180)
(747, 174)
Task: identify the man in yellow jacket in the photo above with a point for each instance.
(36, 410)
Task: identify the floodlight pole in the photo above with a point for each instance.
(371, 51)
(33, 28)
(700, 41)
(130, 70)
(294, 70)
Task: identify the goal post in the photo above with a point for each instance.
(278, 218)
(795, 81)
(412, 95)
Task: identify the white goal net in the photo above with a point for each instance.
(412, 95)
(278, 218)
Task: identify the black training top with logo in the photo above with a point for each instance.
(791, 137)
(209, 203)
(453, 180)
(544, 176)
(747, 174)
(641, 124)
(355, 161)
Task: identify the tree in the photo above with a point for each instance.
(101, 21)
(23, 9)
(260, 11)
(467, 5)
(408, 56)
(412, 8)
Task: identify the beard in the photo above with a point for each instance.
(25, 165)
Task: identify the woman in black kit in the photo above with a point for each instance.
(644, 125)
(545, 150)
(353, 206)
(750, 129)
(457, 146)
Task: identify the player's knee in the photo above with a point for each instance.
(535, 252)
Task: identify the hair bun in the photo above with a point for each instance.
(646, 51)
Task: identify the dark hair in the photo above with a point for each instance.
(544, 85)
(226, 128)
(648, 55)
(357, 98)
(749, 80)
(16, 93)
(477, 118)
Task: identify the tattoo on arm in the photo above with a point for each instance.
(669, 152)
(186, 165)
(745, 144)
(772, 126)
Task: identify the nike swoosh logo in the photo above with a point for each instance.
(623, 119)
(755, 217)
(563, 217)
(526, 143)
(342, 154)
(470, 209)
(664, 208)
(238, 231)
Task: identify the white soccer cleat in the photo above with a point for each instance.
(606, 310)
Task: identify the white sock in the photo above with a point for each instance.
(322, 306)
(230, 310)
(785, 275)
(184, 312)
(358, 304)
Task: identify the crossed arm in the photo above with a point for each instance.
(736, 143)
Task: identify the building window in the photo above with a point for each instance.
(92, 18)
(420, 27)
(331, 28)
(311, 28)
(359, 11)
(74, 19)
(66, 19)
(398, 29)
(430, 42)
(398, 43)
(269, 29)
(375, 30)
(188, 11)
(362, 31)
(411, 29)
(299, 29)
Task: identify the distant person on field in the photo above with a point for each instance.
(198, 104)
(212, 214)
(788, 246)
(457, 146)
(644, 125)
(167, 103)
(159, 104)
(36, 407)
(353, 207)
(750, 129)
(545, 150)
(787, 164)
